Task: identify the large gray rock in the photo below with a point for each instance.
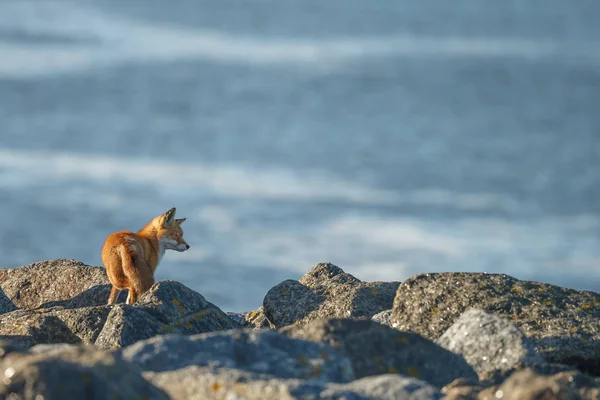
(94, 296)
(52, 281)
(180, 307)
(203, 383)
(167, 307)
(374, 349)
(326, 291)
(6, 304)
(563, 324)
(383, 318)
(126, 325)
(489, 343)
(382, 387)
(261, 352)
(528, 384)
(252, 319)
(72, 373)
(54, 325)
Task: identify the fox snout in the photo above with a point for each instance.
(182, 247)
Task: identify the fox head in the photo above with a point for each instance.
(168, 231)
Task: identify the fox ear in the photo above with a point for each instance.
(180, 221)
(169, 217)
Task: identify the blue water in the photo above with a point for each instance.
(390, 138)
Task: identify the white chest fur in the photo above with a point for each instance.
(161, 250)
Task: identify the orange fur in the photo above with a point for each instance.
(131, 258)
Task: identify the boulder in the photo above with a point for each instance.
(264, 352)
(528, 384)
(167, 307)
(383, 387)
(94, 296)
(177, 305)
(326, 291)
(374, 349)
(489, 343)
(252, 319)
(126, 324)
(54, 325)
(383, 318)
(76, 372)
(6, 304)
(52, 281)
(203, 383)
(563, 324)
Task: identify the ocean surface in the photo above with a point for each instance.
(390, 138)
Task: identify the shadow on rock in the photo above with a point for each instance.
(94, 296)
(6, 304)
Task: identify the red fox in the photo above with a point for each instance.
(131, 258)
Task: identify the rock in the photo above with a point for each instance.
(74, 373)
(176, 305)
(326, 291)
(167, 307)
(10, 345)
(238, 317)
(527, 384)
(53, 349)
(94, 296)
(383, 318)
(203, 383)
(563, 324)
(54, 325)
(261, 352)
(383, 387)
(34, 285)
(6, 304)
(375, 349)
(488, 343)
(252, 319)
(126, 325)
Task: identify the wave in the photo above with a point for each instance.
(100, 40)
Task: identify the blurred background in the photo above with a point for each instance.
(388, 137)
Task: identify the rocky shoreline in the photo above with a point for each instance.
(326, 336)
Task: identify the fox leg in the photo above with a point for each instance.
(114, 293)
(141, 282)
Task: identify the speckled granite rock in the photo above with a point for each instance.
(203, 383)
(72, 373)
(383, 387)
(167, 307)
(383, 318)
(54, 325)
(52, 281)
(126, 325)
(326, 291)
(375, 349)
(563, 324)
(527, 384)
(6, 304)
(262, 352)
(488, 343)
(253, 319)
(179, 306)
